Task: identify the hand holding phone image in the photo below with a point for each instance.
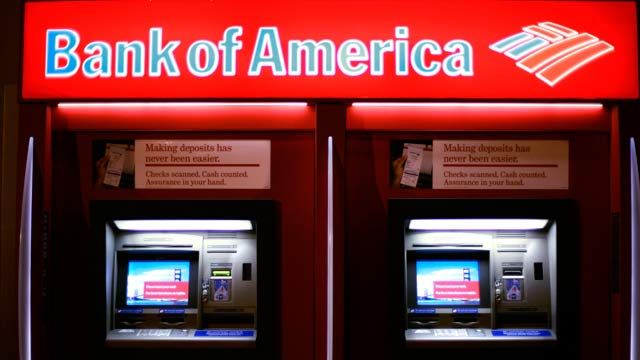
(114, 164)
(411, 164)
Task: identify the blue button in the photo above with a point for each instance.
(465, 311)
(224, 333)
(521, 332)
(172, 311)
(422, 311)
(129, 311)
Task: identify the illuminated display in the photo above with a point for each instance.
(447, 282)
(157, 283)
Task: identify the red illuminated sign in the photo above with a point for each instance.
(329, 50)
(465, 290)
(166, 290)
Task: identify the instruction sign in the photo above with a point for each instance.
(498, 164)
(203, 164)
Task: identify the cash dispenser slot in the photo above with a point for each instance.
(416, 324)
(172, 318)
(512, 271)
(129, 320)
(465, 320)
(423, 321)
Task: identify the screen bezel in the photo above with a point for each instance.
(125, 257)
(481, 256)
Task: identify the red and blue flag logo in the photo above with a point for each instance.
(551, 51)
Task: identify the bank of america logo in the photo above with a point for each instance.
(551, 51)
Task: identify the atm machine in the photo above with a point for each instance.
(487, 273)
(186, 274)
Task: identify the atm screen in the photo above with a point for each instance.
(447, 282)
(158, 283)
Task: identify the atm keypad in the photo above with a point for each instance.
(451, 332)
(155, 333)
(428, 333)
(180, 332)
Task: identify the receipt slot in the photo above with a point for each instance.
(480, 273)
(187, 274)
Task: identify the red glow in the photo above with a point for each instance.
(482, 117)
(183, 118)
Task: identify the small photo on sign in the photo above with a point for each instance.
(411, 164)
(113, 163)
